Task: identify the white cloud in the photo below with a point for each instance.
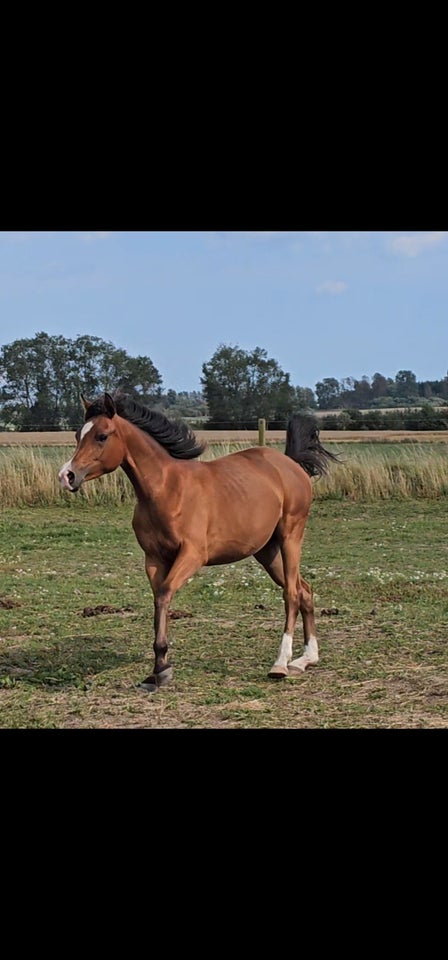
(21, 236)
(96, 235)
(265, 233)
(333, 287)
(413, 244)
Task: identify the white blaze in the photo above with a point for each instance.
(63, 474)
(87, 426)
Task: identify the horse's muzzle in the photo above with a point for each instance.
(67, 479)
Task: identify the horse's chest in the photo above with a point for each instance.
(157, 539)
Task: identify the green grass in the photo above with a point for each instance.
(384, 659)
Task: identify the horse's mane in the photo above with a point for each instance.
(176, 437)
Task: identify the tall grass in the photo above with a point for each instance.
(386, 472)
(29, 475)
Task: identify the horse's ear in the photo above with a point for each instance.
(86, 403)
(109, 405)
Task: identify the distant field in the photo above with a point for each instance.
(67, 438)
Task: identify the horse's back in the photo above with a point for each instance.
(262, 468)
(262, 458)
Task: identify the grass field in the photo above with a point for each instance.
(384, 658)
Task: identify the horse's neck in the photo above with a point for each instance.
(145, 462)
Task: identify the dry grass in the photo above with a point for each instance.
(29, 475)
(384, 472)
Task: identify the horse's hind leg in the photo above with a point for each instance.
(311, 652)
(271, 559)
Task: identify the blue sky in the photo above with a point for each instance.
(324, 304)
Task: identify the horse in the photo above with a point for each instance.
(192, 513)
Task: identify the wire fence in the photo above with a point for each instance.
(195, 422)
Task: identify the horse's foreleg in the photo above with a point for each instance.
(165, 585)
(156, 573)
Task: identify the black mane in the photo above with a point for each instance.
(175, 436)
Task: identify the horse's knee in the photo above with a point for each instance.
(162, 598)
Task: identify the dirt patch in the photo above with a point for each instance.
(6, 604)
(105, 608)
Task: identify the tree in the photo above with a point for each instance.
(406, 384)
(189, 405)
(304, 398)
(241, 386)
(328, 393)
(379, 386)
(42, 377)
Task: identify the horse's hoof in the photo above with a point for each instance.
(295, 671)
(157, 680)
(277, 673)
(165, 676)
(148, 686)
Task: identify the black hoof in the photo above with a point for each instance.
(157, 680)
(148, 686)
(165, 676)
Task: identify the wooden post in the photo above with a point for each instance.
(262, 433)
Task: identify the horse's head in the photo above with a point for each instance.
(100, 447)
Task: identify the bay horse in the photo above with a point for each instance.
(191, 513)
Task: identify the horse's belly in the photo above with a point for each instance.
(229, 557)
(238, 531)
(231, 550)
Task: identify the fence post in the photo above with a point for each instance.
(262, 433)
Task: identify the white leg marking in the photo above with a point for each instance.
(310, 655)
(285, 651)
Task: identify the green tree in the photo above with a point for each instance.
(240, 386)
(380, 386)
(406, 384)
(304, 398)
(42, 377)
(328, 393)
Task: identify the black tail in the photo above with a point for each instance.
(303, 445)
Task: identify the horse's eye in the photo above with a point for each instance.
(102, 437)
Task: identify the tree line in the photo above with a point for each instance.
(41, 379)
(379, 391)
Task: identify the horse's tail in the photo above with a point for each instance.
(303, 445)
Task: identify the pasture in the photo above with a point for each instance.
(379, 569)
